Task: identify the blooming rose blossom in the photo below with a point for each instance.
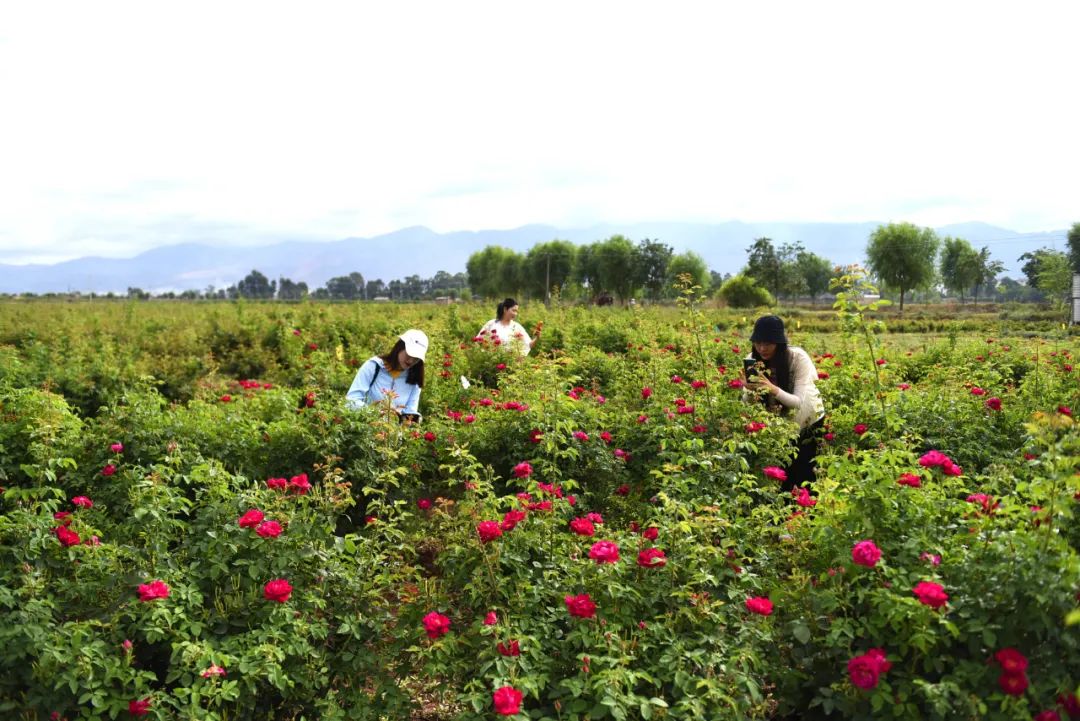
(651, 558)
(507, 700)
(251, 519)
(933, 458)
(803, 497)
(646, 392)
(650, 533)
(994, 403)
(904, 386)
(581, 435)
(880, 361)
(676, 379)
(536, 436)
(864, 671)
(987, 503)
(66, 536)
(117, 448)
(429, 437)
(299, 484)
(1065, 411)
(760, 605)
(865, 553)
(909, 479)
(754, 427)
(153, 591)
(1070, 701)
(82, 502)
(523, 470)
(269, 529)
(277, 590)
(976, 391)
(1048, 715)
(214, 670)
(488, 531)
(491, 618)
(736, 383)
(932, 558)
(622, 490)
(423, 503)
(139, 707)
(951, 469)
(684, 410)
(511, 648)
(642, 418)
(605, 437)
(1013, 684)
(278, 484)
(860, 428)
(581, 605)
(511, 519)
(108, 470)
(436, 624)
(930, 594)
(582, 527)
(1011, 660)
(775, 473)
(604, 552)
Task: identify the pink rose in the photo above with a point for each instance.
(491, 619)
(139, 707)
(522, 470)
(507, 700)
(803, 497)
(153, 591)
(604, 552)
(865, 553)
(933, 458)
(775, 472)
(759, 605)
(82, 502)
(269, 529)
(277, 484)
(214, 670)
(581, 606)
(299, 484)
(581, 435)
(117, 448)
(930, 594)
(488, 531)
(436, 624)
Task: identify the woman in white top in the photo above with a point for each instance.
(788, 386)
(504, 330)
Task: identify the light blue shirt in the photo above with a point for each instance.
(368, 387)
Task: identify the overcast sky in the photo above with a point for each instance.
(124, 126)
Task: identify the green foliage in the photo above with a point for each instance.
(902, 256)
(742, 291)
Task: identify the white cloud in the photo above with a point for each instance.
(268, 120)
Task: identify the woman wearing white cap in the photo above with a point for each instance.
(397, 376)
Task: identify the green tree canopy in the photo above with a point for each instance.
(653, 259)
(986, 271)
(742, 291)
(815, 272)
(1074, 247)
(547, 265)
(959, 265)
(691, 264)
(763, 265)
(494, 272)
(902, 255)
(616, 270)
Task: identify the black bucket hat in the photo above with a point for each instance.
(768, 329)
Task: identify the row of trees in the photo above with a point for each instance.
(616, 266)
(905, 257)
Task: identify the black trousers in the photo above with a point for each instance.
(803, 468)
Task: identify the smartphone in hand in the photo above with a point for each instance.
(750, 367)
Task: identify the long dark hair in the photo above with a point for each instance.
(415, 376)
(501, 308)
(779, 367)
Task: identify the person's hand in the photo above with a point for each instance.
(760, 383)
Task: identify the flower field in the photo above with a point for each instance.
(194, 526)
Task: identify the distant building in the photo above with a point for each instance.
(381, 299)
(1076, 299)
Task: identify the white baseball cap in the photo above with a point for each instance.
(416, 343)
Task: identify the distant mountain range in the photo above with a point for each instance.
(423, 252)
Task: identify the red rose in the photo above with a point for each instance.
(1011, 660)
(507, 700)
(582, 527)
(488, 531)
(1070, 702)
(108, 470)
(736, 383)
(117, 448)
(933, 458)
(803, 497)
(140, 707)
(865, 553)
(251, 519)
(754, 427)
(1013, 684)
(66, 536)
(278, 484)
(976, 391)
(509, 649)
(650, 533)
(491, 619)
(860, 428)
(759, 605)
(581, 606)
(423, 504)
(646, 392)
(269, 529)
(436, 624)
(651, 558)
(225, 398)
(153, 591)
(909, 479)
(299, 484)
(1049, 715)
(605, 436)
(994, 404)
(277, 590)
(511, 519)
(604, 552)
(930, 594)
(429, 437)
(581, 435)
(82, 502)
(622, 490)
(864, 670)
(523, 470)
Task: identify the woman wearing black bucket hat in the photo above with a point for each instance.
(786, 385)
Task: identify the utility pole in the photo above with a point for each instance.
(547, 283)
